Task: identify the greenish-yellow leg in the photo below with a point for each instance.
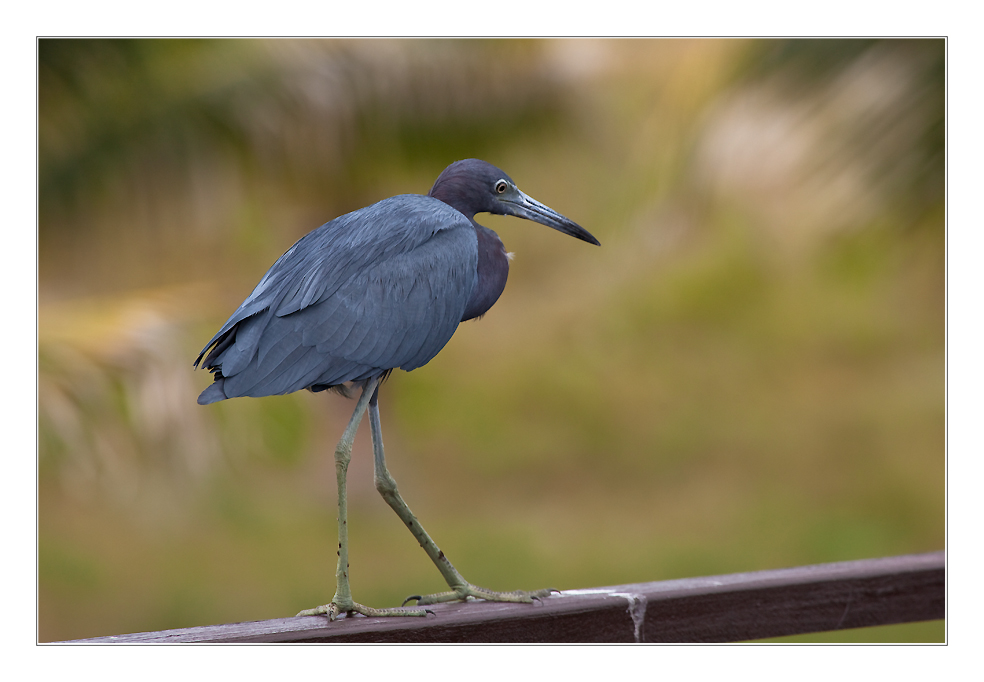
(342, 601)
(461, 589)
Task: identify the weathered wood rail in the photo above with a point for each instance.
(724, 608)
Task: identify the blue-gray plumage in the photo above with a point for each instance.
(377, 289)
(380, 288)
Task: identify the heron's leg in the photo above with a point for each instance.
(460, 588)
(342, 601)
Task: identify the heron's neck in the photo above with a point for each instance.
(456, 196)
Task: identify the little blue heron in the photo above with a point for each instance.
(376, 289)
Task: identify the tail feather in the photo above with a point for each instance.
(214, 393)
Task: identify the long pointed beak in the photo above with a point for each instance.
(523, 206)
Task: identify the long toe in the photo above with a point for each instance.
(333, 611)
(462, 593)
(322, 610)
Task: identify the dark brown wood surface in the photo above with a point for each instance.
(724, 608)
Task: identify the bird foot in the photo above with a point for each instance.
(462, 593)
(333, 610)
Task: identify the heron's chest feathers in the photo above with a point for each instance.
(493, 270)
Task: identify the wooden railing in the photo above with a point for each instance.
(724, 608)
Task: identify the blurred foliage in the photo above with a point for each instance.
(180, 145)
(748, 374)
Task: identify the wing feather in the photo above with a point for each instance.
(373, 290)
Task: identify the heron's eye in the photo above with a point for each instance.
(500, 187)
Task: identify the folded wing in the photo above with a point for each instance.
(380, 288)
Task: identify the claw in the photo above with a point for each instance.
(412, 597)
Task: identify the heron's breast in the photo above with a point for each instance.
(493, 270)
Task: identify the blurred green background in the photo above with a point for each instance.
(748, 374)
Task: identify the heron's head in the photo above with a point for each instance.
(474, 186)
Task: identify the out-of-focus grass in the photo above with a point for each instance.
(716, 389)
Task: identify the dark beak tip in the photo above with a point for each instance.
(581, 234)
(586, 236)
